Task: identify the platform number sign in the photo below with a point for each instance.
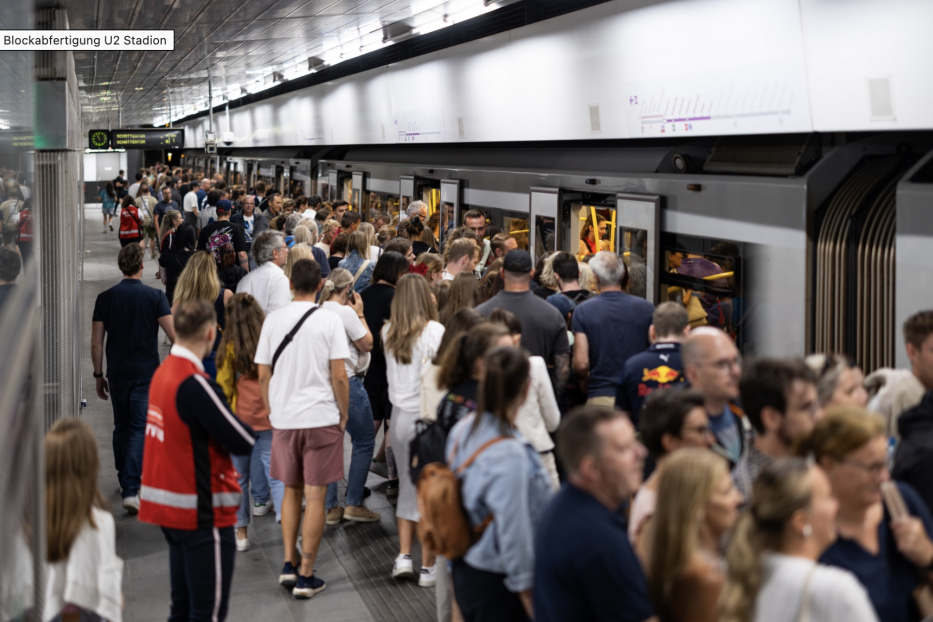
(99, 139)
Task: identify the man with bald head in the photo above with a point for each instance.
(713, 366)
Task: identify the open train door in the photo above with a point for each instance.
(359, 200)
(543, 222)
(638, 230)
(450, 209)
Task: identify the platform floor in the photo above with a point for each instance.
(355, 559)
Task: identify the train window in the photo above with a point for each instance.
(595, 229)
(346, 189)
(447, 221)
(633, 245)
(498, 220)
(382, 202)
(705, 275)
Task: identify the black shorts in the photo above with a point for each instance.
(379, 401)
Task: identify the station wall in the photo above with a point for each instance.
(694, 67)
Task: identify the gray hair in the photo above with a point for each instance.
(415, 208)
(828, 369)
(608, 268)
(292, 222)
(265, 243)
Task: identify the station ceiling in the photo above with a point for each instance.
(240, 41)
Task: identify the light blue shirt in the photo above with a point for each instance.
(508, 481)
(352, 262)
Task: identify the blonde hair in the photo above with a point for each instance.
(198, 281)
(781, 489)
(841, 431)
(358, 242)
(71, 469)
(586, 280)
(546, 277)
(369, 231)
(686, 481)
(303, 235)
(329, 226)
(411, 310)
(434, 263)
(385, 234)
(288, 203)
(464, 294)
(168, 222)
(295, 254)
(338, 280)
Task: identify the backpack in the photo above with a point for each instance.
(146, 204)
(445, 527)
(24, 233)
(130, 227)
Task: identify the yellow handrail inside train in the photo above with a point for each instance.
(712, 277)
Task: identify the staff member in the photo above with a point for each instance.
(189, 485)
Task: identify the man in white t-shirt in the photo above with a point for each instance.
(268, 283)
(134, 189)
(306, 390)
(190, 205)
(360, 422)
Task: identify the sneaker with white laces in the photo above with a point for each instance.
(289, 575)
(131, 504)
(261, 509)
(242, 545)
(402, 568)
(306, 587)
(428, 576)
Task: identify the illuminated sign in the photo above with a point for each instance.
(17, 140)
(98, 139)
(148, 139)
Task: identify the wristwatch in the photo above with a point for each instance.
(100, 375)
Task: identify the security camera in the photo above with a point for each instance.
(228, 138)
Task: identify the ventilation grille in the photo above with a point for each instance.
(854, 310)
(780, 154)
(594, 119)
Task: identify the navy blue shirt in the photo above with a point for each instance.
(162, 208)
(658, 367)
(585, 568)
(889, 577)
(616, 328)
(130, 311)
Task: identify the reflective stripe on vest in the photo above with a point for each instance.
(185, 501)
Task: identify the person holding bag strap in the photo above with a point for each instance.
(773, 573)
(356, 262)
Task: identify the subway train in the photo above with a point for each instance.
(797, 241)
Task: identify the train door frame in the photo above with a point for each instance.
(641, 212)
(451, 200)
(280, 178)
(359, 198)
(544, 203)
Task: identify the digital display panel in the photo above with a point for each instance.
(148, 139)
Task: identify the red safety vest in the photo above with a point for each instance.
(25, 226)
(130, 225)
(175, 493)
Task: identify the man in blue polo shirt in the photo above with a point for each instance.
(129, 314)
(659, 366)
(608, 329)
(585, 568)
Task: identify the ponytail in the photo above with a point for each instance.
(459, 359)
(338, 280)
(781, 489)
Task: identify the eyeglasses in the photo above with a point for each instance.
(724, 366)
(872, 469)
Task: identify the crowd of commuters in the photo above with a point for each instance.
(606, 462)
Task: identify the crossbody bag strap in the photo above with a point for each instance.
(360, 271)
(290, 336)
(805, 600)
(481, 449)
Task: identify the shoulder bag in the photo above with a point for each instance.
(290, 336)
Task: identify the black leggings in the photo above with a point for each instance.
(483, 597)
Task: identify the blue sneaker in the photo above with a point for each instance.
(308, 587)
(289, 576)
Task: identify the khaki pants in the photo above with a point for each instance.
(603, 400)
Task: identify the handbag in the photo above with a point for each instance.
(897, 508)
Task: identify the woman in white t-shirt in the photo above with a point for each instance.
(773, 572)
(337, 296)
(83, 570)
(411, 339)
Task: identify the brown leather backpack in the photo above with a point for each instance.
(445, 527)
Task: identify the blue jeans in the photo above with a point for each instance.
(195, 559)
(130, 400)
(254, 477)
(363, 437)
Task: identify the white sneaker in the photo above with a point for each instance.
(131, 504)
(242, 545)
(428, 576)
(261, 509)
(402, 567)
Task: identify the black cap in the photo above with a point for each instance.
(517, 261)
(224, 205)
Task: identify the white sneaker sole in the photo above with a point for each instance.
(288, 580)
(402, 573)
(361, 519)
(130, 508)
(263, 510)
(425, 582)
(307, 592)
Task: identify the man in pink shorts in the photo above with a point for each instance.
(304, 384)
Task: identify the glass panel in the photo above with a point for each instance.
(545, 235)
(346, 189)
(447, 222)
(516, 225)
(593, 239)
(705, 275)
(633, 245)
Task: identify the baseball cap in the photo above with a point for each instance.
(517, 261)
(561, 303)
(224, 205)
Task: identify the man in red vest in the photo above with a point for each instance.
(189, 485)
